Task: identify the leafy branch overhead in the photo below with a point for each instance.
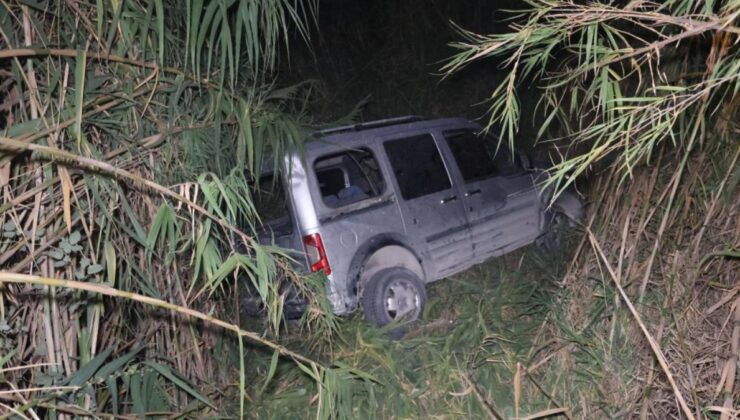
(616, 82)
(127, 131)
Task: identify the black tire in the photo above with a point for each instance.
(390, 291)
(558, 225)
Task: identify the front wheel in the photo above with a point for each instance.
(557, 227)
(394, 294)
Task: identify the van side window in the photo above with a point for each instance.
(348, 177)
(417, 165)
(477, 157)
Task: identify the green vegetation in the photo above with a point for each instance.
(617, 83)
(467, 359)
(125, 130)
(643, 97)
(127, 127)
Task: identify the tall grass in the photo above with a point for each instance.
(459, 362)
(127, 128)
(640, 100)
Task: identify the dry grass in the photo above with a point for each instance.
(684, 294)
(646, 104)
(643, 322)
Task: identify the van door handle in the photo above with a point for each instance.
(473, 192)
(448, 199)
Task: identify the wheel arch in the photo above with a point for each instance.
(568, 204)
(380, 252)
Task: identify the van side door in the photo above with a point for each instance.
(499, 197)
(431, 204)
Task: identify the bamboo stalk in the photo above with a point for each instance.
(100, 105)
(64, 157)
(731, 363)
(72, 53)
(6, 277)
(651, 341)
(673, 186)
(68, 158)
(712, 207)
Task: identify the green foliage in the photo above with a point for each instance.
(616, 83)
(478, 325)
(645, 92)
(127, 131)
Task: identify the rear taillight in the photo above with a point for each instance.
(316, 253)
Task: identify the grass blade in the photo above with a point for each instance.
(181, 383)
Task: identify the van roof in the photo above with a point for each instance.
(337, 137)
(368, 125)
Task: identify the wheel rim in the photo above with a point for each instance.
(402, 300)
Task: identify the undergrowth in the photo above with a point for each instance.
(571, 334)
(480, 328)
(119, 126)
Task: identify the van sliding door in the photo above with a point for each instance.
(431, 204)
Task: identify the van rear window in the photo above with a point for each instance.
(348, 177)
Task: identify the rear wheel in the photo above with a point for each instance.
(394, 294)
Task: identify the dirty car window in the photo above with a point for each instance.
(417, 165)
(478, 157)
(348, 177)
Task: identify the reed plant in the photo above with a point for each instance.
(129, 131)
(639, 105)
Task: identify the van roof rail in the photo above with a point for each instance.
(368, 125)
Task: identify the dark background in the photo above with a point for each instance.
(389, 53)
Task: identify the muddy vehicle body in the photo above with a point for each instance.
(383, 208)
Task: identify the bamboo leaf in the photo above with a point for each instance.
(4, 358)
(116, 365)
(80, 68)
(112, 384)
(66, 196)
(110, 263)
(179, 382)
(517, 388)
(159, 7)
(100, 9)
(88, 370)
(242, 377)
(271, 371)
(137, 397)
